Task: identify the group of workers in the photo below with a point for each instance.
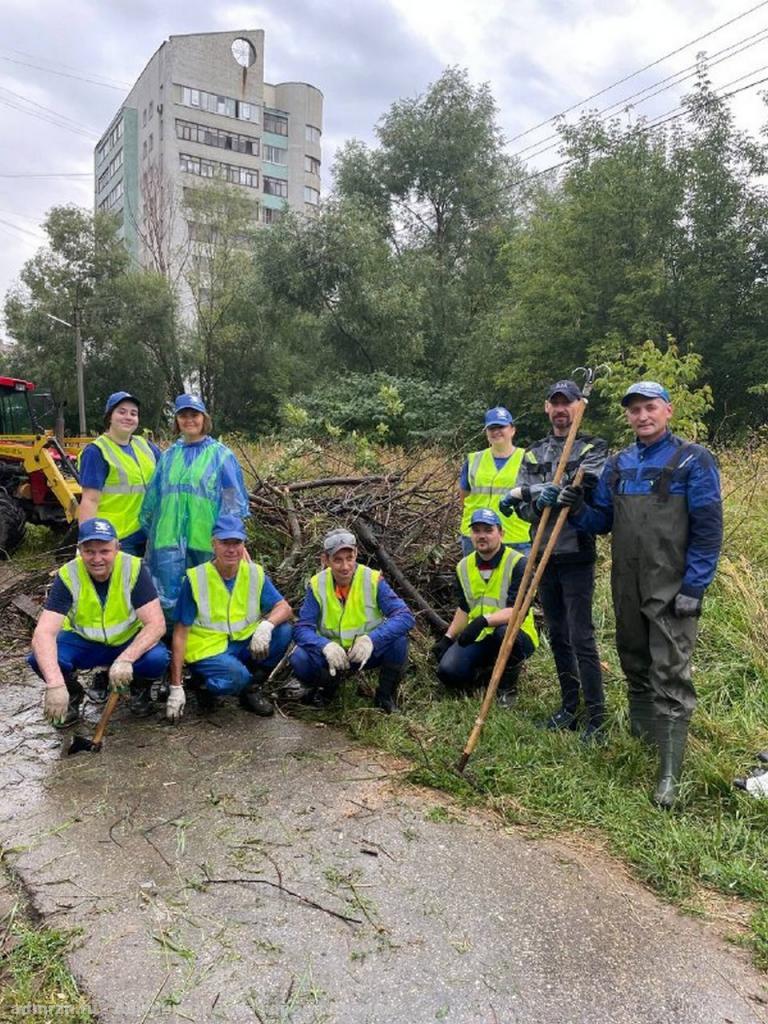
(198, 610)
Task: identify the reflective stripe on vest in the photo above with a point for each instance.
(126, 483)
(116, 618)
(487, 486)
(360, 612)
(223, 615)
(490, 595)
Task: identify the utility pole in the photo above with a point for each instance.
(78, 367)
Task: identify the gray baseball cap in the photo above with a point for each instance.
(337, 539)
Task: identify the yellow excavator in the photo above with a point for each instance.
(38, 470)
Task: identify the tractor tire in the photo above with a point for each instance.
(13, 526)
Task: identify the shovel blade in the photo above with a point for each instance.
(82, 743)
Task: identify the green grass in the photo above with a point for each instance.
(36, 985)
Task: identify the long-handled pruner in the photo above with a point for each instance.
(530, 581)
(81, 743)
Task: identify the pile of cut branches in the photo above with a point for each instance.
(405, 516)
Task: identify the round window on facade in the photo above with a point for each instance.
(243, 52)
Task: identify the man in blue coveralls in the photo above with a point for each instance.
(660, 499)
(232, 626)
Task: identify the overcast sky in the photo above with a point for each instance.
(540, 57)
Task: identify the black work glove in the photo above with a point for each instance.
(686, 607)
(442, 645)
(470, 633)
(506, 506)
(571, 497)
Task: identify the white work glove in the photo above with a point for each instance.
(336, 657)
(361, 650)
(56, 703)
(174, 706)
(120, 676)
(260, 640)
(757, 785)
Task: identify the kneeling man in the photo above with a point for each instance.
(102, 609)
(486, 589)
(232, 626)
(350, 619)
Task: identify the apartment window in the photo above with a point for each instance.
(275, 155)
(272, 216)
(248, 112)
(161, 128)
(276, 187)
(144, 116)
(151, 109)
(311, 165)
(151, 142)
(113, 199)
(144, 149)
(311, 195)
(214, 169)
(312, 134)
(207, 136)
(276, 124)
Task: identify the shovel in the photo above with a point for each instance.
(81, 743)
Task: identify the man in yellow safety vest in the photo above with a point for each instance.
(350, 618)
(487, 582)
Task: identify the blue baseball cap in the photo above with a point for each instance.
(189, 402)
(485, 515)
(228, 527)
(499, 416)
(96, 529)
(116, 398)
(645, 389)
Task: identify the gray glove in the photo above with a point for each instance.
(686, 607)
(571, 497)
(56, 703)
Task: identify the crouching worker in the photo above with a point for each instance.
(350, 619)
(232, 627)
(486, 589)
(102, 609)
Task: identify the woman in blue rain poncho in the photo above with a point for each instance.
(196, 480)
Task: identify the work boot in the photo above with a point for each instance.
(642, 717)
(562, 720)
(385, 697)
(506, 695)
(159, 690)
(140, 703)
(595, 730)
(252, 699)
(76, 696)
(671, 736)
(293, 691)
(98, 691)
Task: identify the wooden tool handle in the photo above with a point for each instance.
(106, 714)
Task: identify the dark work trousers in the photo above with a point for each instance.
(566, 593)
(459, 666)
(649, 544)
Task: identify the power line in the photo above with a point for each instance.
(677, 79)
(65, 74)
(47, 110)
(47, 174)
(68, 67)
(46, 114)
(24, 231)
(634, 74)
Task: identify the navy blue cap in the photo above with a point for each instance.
(117, 397)
(96, 529)
(569, 388)
(499, 416)
(645, 389)
(189, 402)
(229, 528)
(485, 515)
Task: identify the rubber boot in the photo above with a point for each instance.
(326, 689)
(385, 697)
(642, 717)
(140, 703)
(252, 697)
(671, 736)
(506, 695)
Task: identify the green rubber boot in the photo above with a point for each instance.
(642, 717)
(671, 737)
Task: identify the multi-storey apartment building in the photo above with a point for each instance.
(201, 110)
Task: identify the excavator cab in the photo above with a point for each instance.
(38, 472)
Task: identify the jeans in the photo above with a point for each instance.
(566, 593)
(231, 671)
(459, 666)
(310, 667)
(74, 652)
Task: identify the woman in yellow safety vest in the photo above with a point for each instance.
(488, 475)
(115, 470)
